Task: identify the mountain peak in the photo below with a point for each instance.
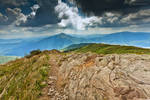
(62, 34)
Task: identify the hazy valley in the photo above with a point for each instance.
(22, 47)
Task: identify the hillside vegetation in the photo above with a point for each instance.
(53, 74)
(24, 78)
(110, 49)
(74, 47)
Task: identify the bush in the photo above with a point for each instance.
(33, 53)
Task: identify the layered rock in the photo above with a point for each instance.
(90, 76)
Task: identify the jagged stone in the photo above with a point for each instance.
(53, 78)
(50, 82)
(109, 77)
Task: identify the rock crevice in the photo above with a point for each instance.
(90, 76)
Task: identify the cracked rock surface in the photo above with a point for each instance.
(90, 76)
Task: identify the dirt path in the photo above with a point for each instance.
(52, 90)
(90, 77)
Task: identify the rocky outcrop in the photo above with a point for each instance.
(90, 76)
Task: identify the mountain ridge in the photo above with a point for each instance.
(62, 40)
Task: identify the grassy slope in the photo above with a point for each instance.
(24, 78)
(5, 59)
(111, 49)
(74, 46)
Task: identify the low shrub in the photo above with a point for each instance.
(33, 53)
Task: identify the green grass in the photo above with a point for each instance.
(23, 79)
(112, 49)
(74, 46)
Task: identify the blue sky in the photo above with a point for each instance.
(33, 18)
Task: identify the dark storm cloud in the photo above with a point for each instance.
(102, 13)
(45, 14)
(8, 3)
(116, 13)
(98, 7)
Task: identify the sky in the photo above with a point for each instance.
(34, 18)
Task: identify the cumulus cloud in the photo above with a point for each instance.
(70, 17)
(15, 16)
(78, 15)
(34, 10)
(12, 16)
(140, 17)
(22, 19)
(3, 18)
(41, 9)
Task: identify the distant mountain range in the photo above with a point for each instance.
(21, 47)
(139, 39)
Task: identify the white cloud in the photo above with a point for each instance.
(20, 19)
(142, 16)
(34, 10)
(16, 17)
(70, 17)
(3, 18)
(110, 18)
